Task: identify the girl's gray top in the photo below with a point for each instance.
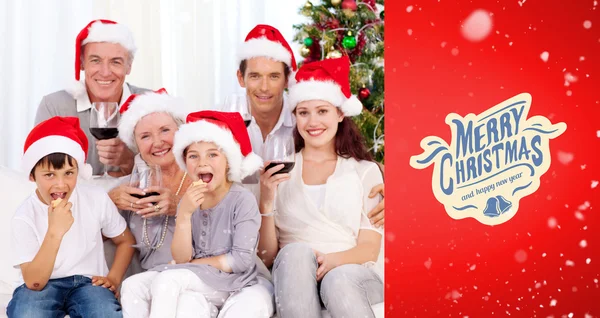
(230, 228)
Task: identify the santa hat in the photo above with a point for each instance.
(140, 105)
(102, 31)
(57, 135)
(326, 80)
(228, 132)
(266, 41)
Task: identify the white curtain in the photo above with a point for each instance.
(187, 46)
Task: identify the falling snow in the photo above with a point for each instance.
(477, 26)
(565, 157)
(544, 56)
(409, 9)
(454, 51)
(583, 243)
(428, 263)
(521, 256)
(570, 263)
(553, 302)
(569, 78)
(587, 24)
(594, 183)
(552, 222)
(579, 216)
(588, 261)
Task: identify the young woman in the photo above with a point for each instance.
(320, 233)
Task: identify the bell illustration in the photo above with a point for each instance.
(491, 208)
(503, 204)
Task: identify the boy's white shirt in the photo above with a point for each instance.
(81, 250)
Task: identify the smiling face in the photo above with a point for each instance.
(265, 81)
(205, 161)
(105, 65)
(55, 177)
(153, 136)
(317, 122)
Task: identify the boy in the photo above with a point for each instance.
(57, 232)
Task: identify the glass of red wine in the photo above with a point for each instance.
(239, 103)
(145, 176)
(104, 120)
(279, 149)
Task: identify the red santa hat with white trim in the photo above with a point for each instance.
(266, 41)
(57, 135)
(228, 132)
(326, 80)
(139, 105)
(100, 31)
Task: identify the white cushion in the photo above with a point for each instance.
(14, 189)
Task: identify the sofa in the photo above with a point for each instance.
(14, 188)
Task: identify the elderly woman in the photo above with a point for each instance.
(148, 125)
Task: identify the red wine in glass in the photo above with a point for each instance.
(149, 194)
(287, 166)
(104, 133)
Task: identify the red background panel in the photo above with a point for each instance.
(441, 267)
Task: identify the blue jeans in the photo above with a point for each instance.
(346, 291)
(74, 296)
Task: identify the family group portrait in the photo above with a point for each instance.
(192, 159)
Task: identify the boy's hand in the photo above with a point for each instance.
(105, 282)
(60, 218)
(192, 199)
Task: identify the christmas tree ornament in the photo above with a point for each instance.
(336, 2)
(304, 51)
(308, 41)
(349, 4)
(335, 54)
(349, 41)
(349, 13)
(308, 5)
(364, 93)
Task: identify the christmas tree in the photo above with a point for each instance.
(352, 28)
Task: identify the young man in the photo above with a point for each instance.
(57, 232)
(104, 50)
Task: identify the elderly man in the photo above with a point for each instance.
(104, 50)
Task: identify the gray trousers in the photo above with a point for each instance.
(346, 291)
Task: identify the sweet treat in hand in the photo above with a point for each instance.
(56, 202)
(199, 182)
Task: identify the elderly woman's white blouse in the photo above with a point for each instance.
(334, 227)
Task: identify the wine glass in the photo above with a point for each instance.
(279, 149)
(145, 176)
(104, 120)
(240, 104)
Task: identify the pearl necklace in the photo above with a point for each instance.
(165, 227)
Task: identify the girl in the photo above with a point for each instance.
(320, 222)
(217, 221)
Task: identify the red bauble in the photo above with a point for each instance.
(349, 4)
(364, 93)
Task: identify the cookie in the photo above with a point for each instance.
(56, 202)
